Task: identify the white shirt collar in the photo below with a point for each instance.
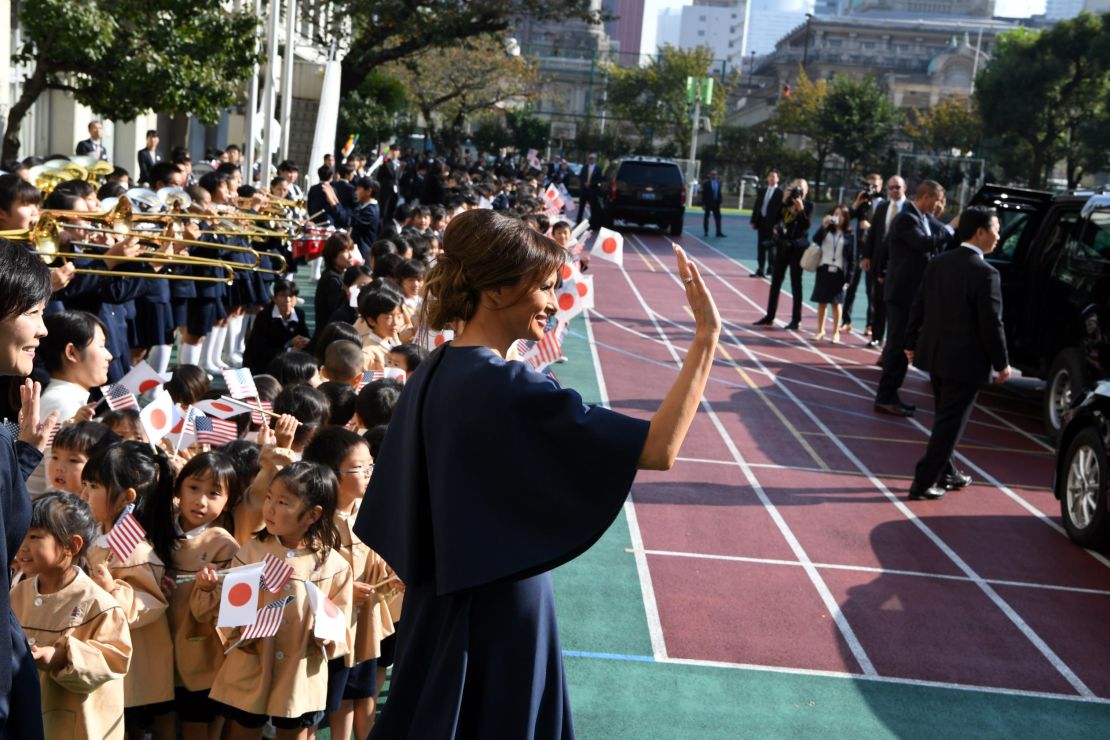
(191, 533)
(277, 315)
(65, 387)
(973, 248)
(387, 343)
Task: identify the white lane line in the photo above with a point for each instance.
(830, 603)
(877, 571)
(1031, 635)
(647, 590)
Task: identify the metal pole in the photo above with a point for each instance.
(693, 147)
(252, 108)
(740, 204)
(287, 76)
(805, 44)
(266, 160)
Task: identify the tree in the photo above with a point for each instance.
(527, 130)
(802, 112)
(452, 83)
(1061, 75)
(371, 110)
(952, 124)
(124, 57)
(384, 31)
(859, 118)
(653, 97)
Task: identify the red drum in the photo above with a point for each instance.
(310, 244)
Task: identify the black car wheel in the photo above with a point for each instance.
(676, 227)
(1066, 379)
(1086, 478)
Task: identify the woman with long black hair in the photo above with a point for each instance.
(24, 291)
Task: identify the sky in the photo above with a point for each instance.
(1007, 8)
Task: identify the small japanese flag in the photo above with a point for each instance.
(609, 245)
(275, 573)
(569, 271)
(330, 621)
(223, 408)
(158, 418)
(239, 596)
(567, 301)
(430, 340)
(184, 431)
(551, 197)
(580, 229)
(585, 286)
(142, 378)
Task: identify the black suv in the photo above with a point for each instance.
(645, 190)
(1054, 261)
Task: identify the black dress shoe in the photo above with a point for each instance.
(792, 326)
(765, 321)
(758, 274)
(907, 406)
(932, 493)
(894, 409)
(956, 481)
(720, 235)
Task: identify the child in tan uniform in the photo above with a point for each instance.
(352, 681)
(77, 632)
(114, 477)
(284, 678)
(383, 320)
(189, 537)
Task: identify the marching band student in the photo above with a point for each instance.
(352, 681)
(355, 278)
(70, 451)
(284, 678)
(382, 316)
(77, 632)
(113, 478)
(223, 185)
(205, 310)
(192, 536)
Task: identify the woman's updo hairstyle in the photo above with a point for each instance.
(483, 250)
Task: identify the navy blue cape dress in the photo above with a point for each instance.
(490, 476)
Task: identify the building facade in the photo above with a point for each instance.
(716, 24)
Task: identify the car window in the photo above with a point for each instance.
(1013, 225)
(1094, 238)
(649, 173)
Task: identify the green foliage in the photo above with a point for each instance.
(371, 110)
(653, 97)
(124, 57)
(858, 116)
(1043, 96)
(490, 135)
(526, 130)
(951, 124)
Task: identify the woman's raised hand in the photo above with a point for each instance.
(706, 318)
(31, 430)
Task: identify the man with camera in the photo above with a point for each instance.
(862, 208)
(791, 237)
(766, 212)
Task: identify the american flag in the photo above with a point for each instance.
(521, 346)
(212, 431)
(547, 350)
(275, 573)
(118, 397)
(268, 620)
(240, 383)
(256, 416)
(125, 534)
(368, 376)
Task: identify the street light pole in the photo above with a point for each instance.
(805, 44)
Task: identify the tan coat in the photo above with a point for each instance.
(138, 590)
(83, 700)
(197, 650)
(285, 675)
(370, 621)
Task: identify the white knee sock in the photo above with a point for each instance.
(234, 331)
(189, 354)
(159, 357)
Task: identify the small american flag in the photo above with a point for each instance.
(240, 383)
(521, 347)
(257, 416)
(125, 534)
(368, 376)
(215, 432)
(118, 397)
(547, 350)
(275, 573)
(268, 620)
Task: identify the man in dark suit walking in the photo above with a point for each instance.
(955, 333)
(589, 182)
(915, 237)
(149, 156)
(873, 255)
(711, 198)
(766, 212)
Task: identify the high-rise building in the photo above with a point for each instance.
(923, 8)
(668, 27)
(770, 20)
(626, 28)
(717, 24)
(1058, 10)
(830, 7)
(1097, 6)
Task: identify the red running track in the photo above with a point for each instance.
(783, 537)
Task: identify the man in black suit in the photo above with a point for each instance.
(873, 255)
(711, 198)
(389, 175)
(343, 185)
(94, 145)
(862, 210)
(915, 237)
(149, 156)
(955, 333)
(589, 181)
(766, 212)
(323, 202)
(791, 236)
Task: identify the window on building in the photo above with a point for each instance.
(701, 33)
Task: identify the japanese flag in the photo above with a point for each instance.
(580, 229)
(184, 430)
(223, 408)
(395, 373)
(430, 340)
(330, 623)
(569, 271)
(552, 198)
(158, 418)
(609, 245)
(585, 286)
(239, 596)
(142, 378)
(567, 300)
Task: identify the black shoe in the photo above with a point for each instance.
(757, 274)
(706, 235)
(932, 493)
(720, 235)
(893, 409)
(765, 321)
(956, 481)
(792, 326)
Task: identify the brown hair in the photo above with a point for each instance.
(483, 250)
(336, 243)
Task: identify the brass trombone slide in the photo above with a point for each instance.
(149, 259)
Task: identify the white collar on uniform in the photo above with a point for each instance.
(387, 343)
(292, 319)
(191, 533)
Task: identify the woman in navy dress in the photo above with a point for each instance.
(469, 504)
(24, 291)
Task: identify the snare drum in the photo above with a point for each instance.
(310, 244)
